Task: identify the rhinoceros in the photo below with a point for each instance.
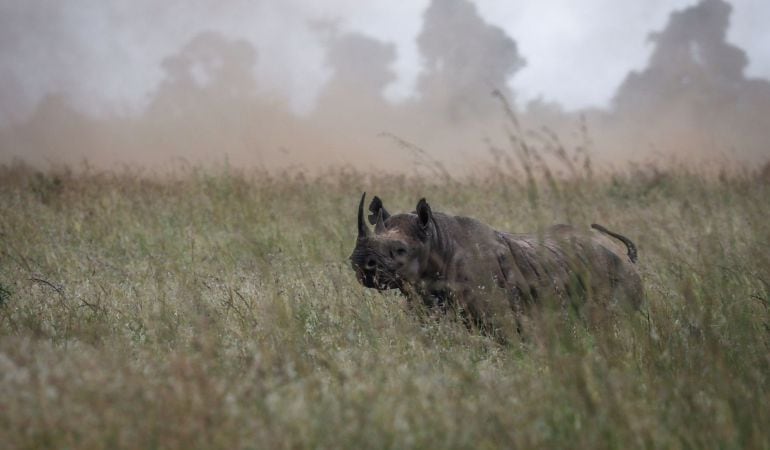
(452, 262)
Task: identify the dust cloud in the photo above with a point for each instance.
(693, 97)
(692, 100)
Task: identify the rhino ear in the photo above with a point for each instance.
(379, 227)
(375, 207)
(424, 213)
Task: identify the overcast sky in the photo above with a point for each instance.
(105, 54)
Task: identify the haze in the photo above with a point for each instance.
(316, 83)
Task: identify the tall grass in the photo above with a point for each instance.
(216, 309)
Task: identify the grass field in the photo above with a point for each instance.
(216, 309)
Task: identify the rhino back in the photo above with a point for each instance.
(562, 263)
(567, 264)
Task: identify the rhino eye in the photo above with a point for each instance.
(398, 250)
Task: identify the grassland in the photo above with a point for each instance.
(216, 309)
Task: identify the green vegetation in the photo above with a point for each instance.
(216, 309)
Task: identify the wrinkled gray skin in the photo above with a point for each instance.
(445, 261)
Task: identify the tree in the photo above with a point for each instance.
(465, 59)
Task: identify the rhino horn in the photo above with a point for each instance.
(363, 230)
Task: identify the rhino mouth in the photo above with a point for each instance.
(376, 279)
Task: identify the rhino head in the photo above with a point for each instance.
(396, 250)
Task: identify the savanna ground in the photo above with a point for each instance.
(214, 308)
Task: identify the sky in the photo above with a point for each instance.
(106, 55)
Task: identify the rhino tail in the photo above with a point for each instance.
(629, 245)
